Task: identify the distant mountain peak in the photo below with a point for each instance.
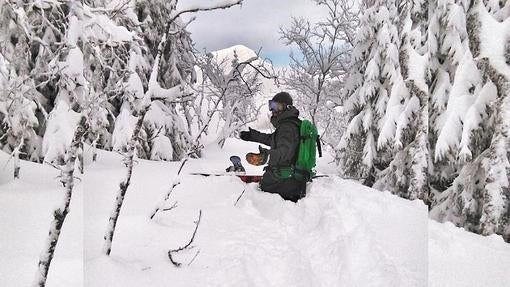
(244, 53)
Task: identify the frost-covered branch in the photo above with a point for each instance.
(223, 4)
(318, 73)
(232, 88)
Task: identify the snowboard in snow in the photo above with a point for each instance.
(236, 169)
(236, 166)
(244, 177)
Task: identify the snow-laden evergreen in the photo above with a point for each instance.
(32, 40)
(479, 198)
(443, 136)
(406, 121)
(376, 74)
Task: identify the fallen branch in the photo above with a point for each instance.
(187, 246)
(239, 197)
(193, 259)
(174, 205)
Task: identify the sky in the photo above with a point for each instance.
(255, 24)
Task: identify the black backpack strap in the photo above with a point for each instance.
(319, 147)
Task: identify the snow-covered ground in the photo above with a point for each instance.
(26, 210)
(341, 234)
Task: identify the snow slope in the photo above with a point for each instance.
(341, 234)
(460, 258)
(26, 208)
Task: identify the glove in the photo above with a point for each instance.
(246, 135)
(258, 158)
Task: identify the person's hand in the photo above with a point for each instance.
(246, 135)
(258, 158)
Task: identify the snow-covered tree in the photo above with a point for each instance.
(60, 213)
(109, 35)
(438, 120)
(30, 45)
(317, 72)
(447, 44)
(376, 73)
(229, 87)
(157, 98)
(405, 124)
(19, 121)
(68, 102)
(165, 135)
(479, 198)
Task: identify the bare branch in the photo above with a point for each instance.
(173, 206)
(206, 7)
(237, 200)
(176, 182)
(187, 246)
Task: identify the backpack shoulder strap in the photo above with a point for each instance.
(319, 146)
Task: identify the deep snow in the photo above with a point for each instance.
(341, 234)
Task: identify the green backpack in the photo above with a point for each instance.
(306, 158)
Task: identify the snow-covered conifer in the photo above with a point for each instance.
(479, 196)
(377, 70)
(30, 41)
(447, 43)
(166, 134)
(405, 123)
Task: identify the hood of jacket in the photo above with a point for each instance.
(292, 112)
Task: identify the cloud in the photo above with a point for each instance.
(255, 24)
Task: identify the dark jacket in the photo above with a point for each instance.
(284, 143)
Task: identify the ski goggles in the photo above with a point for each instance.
(275, 106)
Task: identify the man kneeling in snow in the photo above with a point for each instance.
(284, 143)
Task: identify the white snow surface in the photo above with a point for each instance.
(341, 234)
(460, 258)
(26, 211)
(494, 47)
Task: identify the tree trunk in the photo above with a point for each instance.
(123, 186)
(59, 215)
(16, 157)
